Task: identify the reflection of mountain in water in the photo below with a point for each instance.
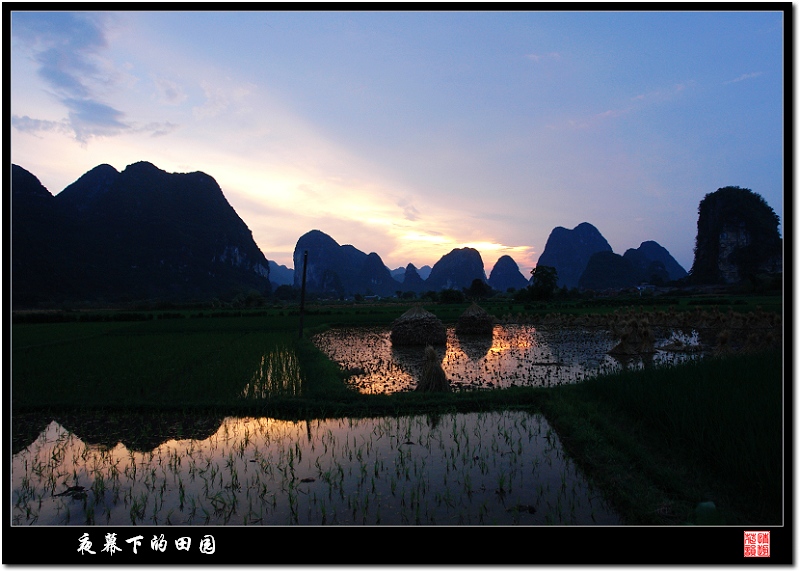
(266, 471)
(136, 431)
(26, 428)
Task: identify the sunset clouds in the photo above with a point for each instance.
(412, 133)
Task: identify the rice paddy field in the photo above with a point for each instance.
(187, 418)
(456, 469)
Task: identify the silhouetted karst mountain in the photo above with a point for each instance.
(649, 252)
(375, 277)
(340, 270)
(36, 257)
(737, 237)
(279, 275)
(423, 272)
(506, 274)
(145, 234)
(323, 261)
(569, 251)
(27, 191)
(412, 281)
(646, 271)
(651, 263)
(457, 270)
(606, 270)
(82, 195)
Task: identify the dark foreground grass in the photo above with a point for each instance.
(660, 442)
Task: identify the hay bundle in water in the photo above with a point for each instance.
(433, 377)
(636, 338)
(475, 320)
(418, 327)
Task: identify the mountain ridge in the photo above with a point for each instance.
(569, 251)
(143, 233)
(136, 235)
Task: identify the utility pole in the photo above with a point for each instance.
(303, 293)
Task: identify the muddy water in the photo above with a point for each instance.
(459, 469)
(515, 355)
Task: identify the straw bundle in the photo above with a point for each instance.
(723, 346)
(636, 337)
(433, 377)
(418, 327)
(475, 320)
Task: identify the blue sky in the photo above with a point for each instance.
(412, 133)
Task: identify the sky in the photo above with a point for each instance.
(413, 133)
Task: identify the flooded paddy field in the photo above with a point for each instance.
(120, 467)
(456, 469)
(514, 355)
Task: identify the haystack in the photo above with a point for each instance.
(475, 321)
(636, 337)
(418, 327)
(433, 377)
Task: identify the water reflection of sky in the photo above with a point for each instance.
(515, 355)
(478, 468)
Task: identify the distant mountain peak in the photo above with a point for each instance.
(650, 251)
(412, 281)
(569, 251)
(506, 275)
(340, 270)
(26, 184)
(83, 193)
(143, 166)
(456, 269)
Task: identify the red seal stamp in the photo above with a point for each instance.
(756, 543)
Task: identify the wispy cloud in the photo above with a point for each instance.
(157, 129)
(69, 49)
(410, 212)
(91, 118)
(220, 99)
(637, 103)
(665, 94)
(66, 46)
(169, 92)
(743, 77)
(85, 122)
(27, 124)
(541, 57)
(589, 121)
